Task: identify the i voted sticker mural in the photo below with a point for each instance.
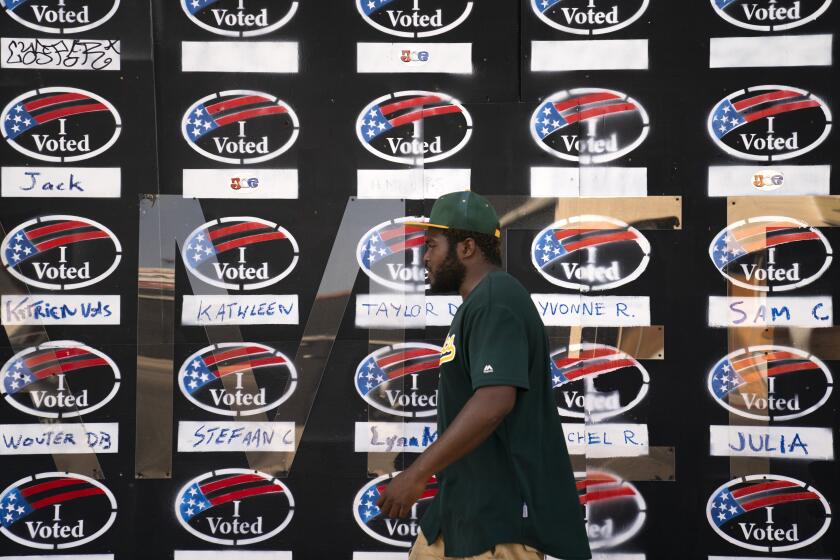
(414, 18)
(589, 17)
(240, 18)
(401, 379)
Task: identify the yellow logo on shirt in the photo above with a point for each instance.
(447, 353)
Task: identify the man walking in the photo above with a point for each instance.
(506, 488)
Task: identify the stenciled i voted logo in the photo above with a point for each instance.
(60, 252)
(56, 510)
(589, 125)
(401, 379)
(615, 511)
(768, 513)
(391, 254)
(414, 18)
(61, 16)
(589, 17)
(770, 253)
(59, 379)
(234, 507)
(770, 382)
(769, 123)
(770, 15)
(60, 124)
(596, 381)
(240, 18)
(414, 127)
(590, 253)
(214, 378)
(240, 253)
(396, 532)
(240, 126)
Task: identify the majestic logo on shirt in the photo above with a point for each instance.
(60, 124)
(213, 378)
(590, 253)
(60, 252)
(56, 510)
(240, 18)
(769, 123)
(234, 507)
(391, 254)
(414, 127)
(414, 18)
(589, 17)
(614, 509)
(59, 379)
(770, 15)
(589, 125)
(774, 383)
(768, 513)
(401, 379)
(770, 253)
(447, 352)
(396, 532)
(240, 126)
(596, 381)
(240, 253)
(55, 16)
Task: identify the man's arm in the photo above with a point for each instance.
(479, 418)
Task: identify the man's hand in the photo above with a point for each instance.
(401, 494)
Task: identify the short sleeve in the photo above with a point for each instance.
(497, 348)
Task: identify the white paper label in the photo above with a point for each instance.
(263, 309)
(765, 51)
(233, 555)
(594, 181)
(61, 557)
(44, 309)
(770, 311)
(265, 57)
(59, 54)
(380, 555)
(43, 439)
(398, 437)
(238, 183)
(796, 180)
(212, 435)
(606, 440)
(403, 311)
(778, 442)
(570, 310)
(415, 184)
(443, 58)
(561, 56)
(60, 182)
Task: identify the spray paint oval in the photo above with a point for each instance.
(414, 18)
(234, 507)
(60, 252)
(596, 381)
(235, 18)
(391, 254)
(770, 15)
(769, 123)
(214, 378)
(395, 532)
(615, 511)
(588, 17)
(240, 126)
(770, 253)
(59, 379)
(60, 124)
(770, 382)
(590, 253)
(53, 16)
(768, 513)
(414, 127)
(401, 379)
(589, 125)
(56, 510)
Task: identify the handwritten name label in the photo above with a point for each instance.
(569, 310)
(606, 440)
(267, 309)
(777, 442)
(403, 311)
(60, 182)
(384, 437)
(42, 309)
(60, 54)
(235, 436)
(770, 311)
(416, 183)
(42, 439)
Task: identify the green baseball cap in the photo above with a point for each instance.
(463, 210)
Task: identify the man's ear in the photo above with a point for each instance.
(467, 248)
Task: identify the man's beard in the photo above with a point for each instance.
(449, 275)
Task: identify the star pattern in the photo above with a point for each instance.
(13, 508)
(369, 376)
(726, 118)
(199, 248)
(198, 5)
(193, 502)
(18, 249)
(199, 123)
(547, 120)
(373, 124)
(725, 507)
(16, 377)
(196, 375)
(17, 121)
(372, 6)
(726, 249)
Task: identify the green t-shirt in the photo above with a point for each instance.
(518, 485)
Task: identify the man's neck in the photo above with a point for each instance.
(474, 276)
